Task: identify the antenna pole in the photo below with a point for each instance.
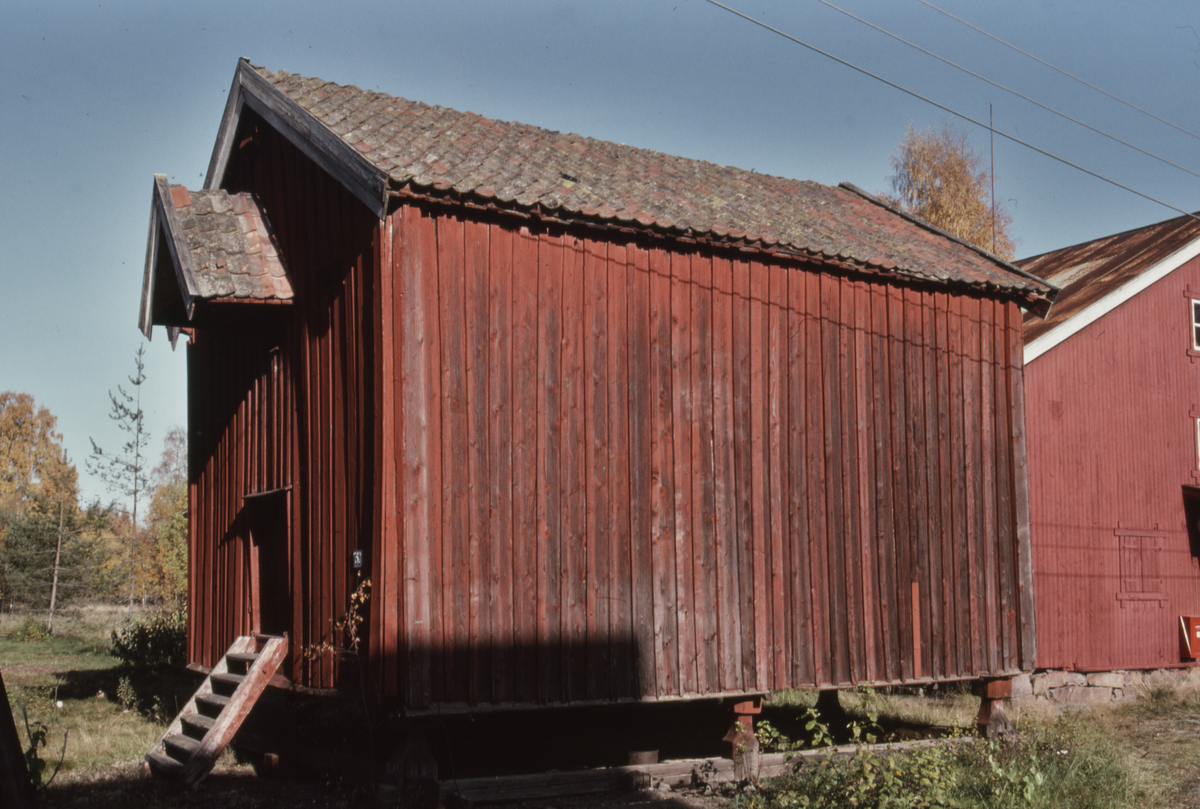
(992, 173)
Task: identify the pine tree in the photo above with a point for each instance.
(124, 472)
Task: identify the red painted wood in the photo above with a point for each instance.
(1113, 408)
(502, 574)
(704, 505)
(884, 534)
(476, 256)
(727, 606)
(573, 480)
(525, 348)
(818, 512)
(646, 629)
(759, 457)
(780, 563)
(799, 477)
(620, 556)
(549, 452)
(455, 527)
(662, 474)
(610, 468)
(864, 484)
(600, 573)
(683, 391)
(836, 539)
(743, 464)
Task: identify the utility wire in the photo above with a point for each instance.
(953, 112)
(1035, 102)
(1060, 70)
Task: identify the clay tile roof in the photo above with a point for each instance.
(1089, 272)
(206, 245)
(427, 148)
(231, 249)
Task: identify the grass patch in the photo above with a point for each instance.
(1144, 754)
(1069, 762)
(1127, 756)
(68, 682)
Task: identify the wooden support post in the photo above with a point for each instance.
(743, 744)
(415, 771)
(829, 709)
(991, 721)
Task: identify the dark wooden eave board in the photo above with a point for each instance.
(165, 229)
(366, 182)
(185, 271)
(145, 315)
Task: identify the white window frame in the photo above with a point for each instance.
(1194, 303)
(1198, 444)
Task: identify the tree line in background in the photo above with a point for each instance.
(55, 550)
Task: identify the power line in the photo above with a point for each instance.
(953, 112)
(1018, 94)
(1129, 104)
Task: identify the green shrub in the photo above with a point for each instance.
(31, 629)
(127, 696)
(1064, 763)
(160, 642)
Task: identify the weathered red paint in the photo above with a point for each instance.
(1112, 446)
(597, 464)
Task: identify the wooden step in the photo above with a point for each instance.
(162, 764)
(214, 702)
(227, 679)
(243, 659)
(188, 748)
(180, 747)
(198, 724)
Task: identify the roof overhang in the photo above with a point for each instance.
(166, 252)
(210, 252)
(1085, 317)
(362, 179)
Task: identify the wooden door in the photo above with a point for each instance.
(269, 561)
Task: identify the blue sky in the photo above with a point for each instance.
(98, 97)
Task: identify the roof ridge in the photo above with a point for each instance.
(379, 145)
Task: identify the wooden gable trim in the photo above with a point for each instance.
(1129, 290)
(164, 221)
(356, 174)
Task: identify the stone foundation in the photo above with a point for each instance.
(1071, 689)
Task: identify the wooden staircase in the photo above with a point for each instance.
(191, 745)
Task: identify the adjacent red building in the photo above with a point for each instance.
(598, 423)
(1113, 392)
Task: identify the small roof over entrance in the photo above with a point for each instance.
(207, 248)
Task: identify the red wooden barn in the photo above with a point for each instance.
(600, 423)
(1113, 382)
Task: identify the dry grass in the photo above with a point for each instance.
(1142, 755)
(69, 684)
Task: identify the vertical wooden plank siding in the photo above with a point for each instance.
(1114, 543)
(585, 466)
(702, 474)
(283, 398)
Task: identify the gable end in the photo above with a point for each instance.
(1085, 317)
(362, 179)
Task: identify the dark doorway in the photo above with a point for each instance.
(1191, 513)
(270, 561)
